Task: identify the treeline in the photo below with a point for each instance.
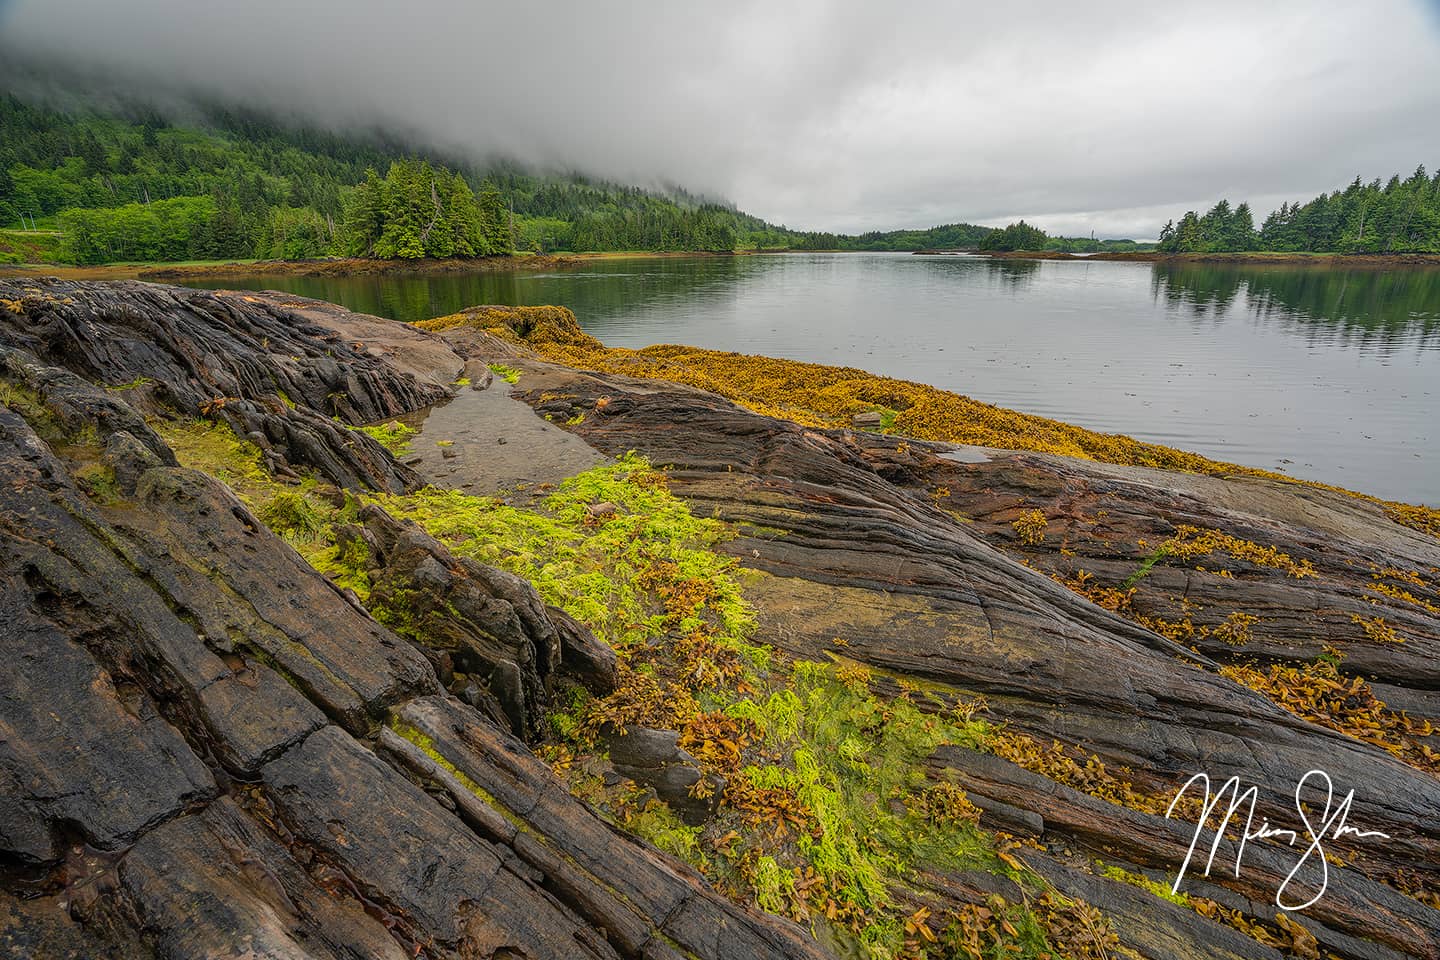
(1023, 236)
(1400, 216)
(421, 211)
(236, 185)
(950, 236)
(1017, 236)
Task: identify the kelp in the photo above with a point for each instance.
(825, 396)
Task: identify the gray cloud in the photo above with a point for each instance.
(1104, 116)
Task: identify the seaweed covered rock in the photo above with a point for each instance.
(655, 758)
(477, 619)
(206, 749)
(926, 563)
(287, 382)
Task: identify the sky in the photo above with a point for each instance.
(845, 116)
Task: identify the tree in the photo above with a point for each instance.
(1017, 236)
(494, 220)
(365, 215)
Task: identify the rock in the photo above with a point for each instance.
(129, 458)
(583, 655)
(186, 717)
(479, 374)
(486, 622)
(869, 420)
(654, 758)
(855, 546)
(250, 362)
(598, 510)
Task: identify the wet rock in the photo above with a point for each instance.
(654, 758)
(186, 720)
(858, 544)
(479, 374)
(258, 366)
(485, 621)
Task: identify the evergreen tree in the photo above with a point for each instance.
(494, 221)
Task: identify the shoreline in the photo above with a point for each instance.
(729, 564)
(1287, 259)
(829, 396)
(335, 267)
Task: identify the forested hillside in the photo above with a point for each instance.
(236, 185)
(81, 186)
(1402, 216)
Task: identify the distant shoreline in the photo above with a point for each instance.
(1288, 259)
(360, 266)
(332, 266)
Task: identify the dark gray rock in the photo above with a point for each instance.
(654, 758)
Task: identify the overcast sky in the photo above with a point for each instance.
(840, 116)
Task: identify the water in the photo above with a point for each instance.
(1323, 373)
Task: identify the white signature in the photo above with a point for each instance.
(1332, 825)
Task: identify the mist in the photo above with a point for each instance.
(1107, 117)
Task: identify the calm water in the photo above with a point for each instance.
(1322, 373)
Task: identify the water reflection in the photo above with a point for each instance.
(1324, 372)
(1393, 306)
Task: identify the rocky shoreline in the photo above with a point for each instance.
(269, 698)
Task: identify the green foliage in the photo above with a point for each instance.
(659, 826)
(1402, 216)
(295, 193)
(393, 436)
(295, 516)
(951, 236)
(418, 210)
(1017, 236)
(1161, 890)
(593, 571)
(162, 230)
(508, 374)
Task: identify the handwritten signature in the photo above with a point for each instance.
(1332, 825)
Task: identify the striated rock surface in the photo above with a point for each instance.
(206, 749)
(274, 375)
(479, 620)
(904, 556)
(209, 749)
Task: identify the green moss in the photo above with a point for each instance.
(30, 405)
(427, 746)
(508, 374)
(657, 824)
(214, 448)
(1159, 889)
(98, 482)
(296, 516)
(393, 436)
(131, 385)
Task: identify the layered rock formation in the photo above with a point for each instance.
(207, 749)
